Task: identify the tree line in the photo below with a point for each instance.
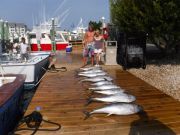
(160, 19)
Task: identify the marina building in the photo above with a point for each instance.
(17, 30)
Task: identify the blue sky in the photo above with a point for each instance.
(70, 11)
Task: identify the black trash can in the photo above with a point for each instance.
(131, 50)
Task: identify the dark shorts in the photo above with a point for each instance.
(88, 51)
(25, 56)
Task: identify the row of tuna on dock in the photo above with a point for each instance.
(118, 101)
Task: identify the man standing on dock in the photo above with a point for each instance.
(88, 45)
(24, 49)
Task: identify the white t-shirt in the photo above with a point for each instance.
(15, 45)
(23, 48)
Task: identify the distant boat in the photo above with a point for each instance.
(45, 42)
(78, 32)
(11, 92)
(40, 38)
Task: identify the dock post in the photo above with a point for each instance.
(52, 32)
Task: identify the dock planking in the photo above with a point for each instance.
(62, 99)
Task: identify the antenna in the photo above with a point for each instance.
(62, 3)
(63, 19)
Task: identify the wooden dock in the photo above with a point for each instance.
(62, 100)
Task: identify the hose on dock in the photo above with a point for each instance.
(53, 69)
(33, 122)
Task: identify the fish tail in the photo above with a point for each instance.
(88, 101)
(76, 75)
(141, 109)
(77, 81)
(80, 81)
(87, 114)
(88, 95)
(76, 71)
(91, 92)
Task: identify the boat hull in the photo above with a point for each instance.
(48, 47)
(33, 69)
(11, 104)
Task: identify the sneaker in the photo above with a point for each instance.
(96, 65)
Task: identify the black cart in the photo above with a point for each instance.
(131, 50)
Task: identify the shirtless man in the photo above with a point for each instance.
(88, 46)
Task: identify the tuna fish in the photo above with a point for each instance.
(89, 72)
(92, 71)
(97, 79)
(115, 98)
(93, 74)
(105, 87)
(117, 109)
(89, 68)
(109, 92)
(101, 83)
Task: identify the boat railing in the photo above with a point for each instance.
(2, 71)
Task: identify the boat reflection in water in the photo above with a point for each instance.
(33, 67)
(11, 95)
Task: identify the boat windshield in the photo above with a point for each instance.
(32, 36)
(59, 37)
(66, 36)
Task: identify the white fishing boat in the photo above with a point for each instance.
(33, 68)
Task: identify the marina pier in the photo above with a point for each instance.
(62, 100)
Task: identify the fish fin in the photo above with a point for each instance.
(76, 74)
(88, 101)
(108, 114)
(87, 115)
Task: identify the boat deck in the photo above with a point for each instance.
(62, 99)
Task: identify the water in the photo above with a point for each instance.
(27, 97)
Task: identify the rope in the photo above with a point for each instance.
(53, 69)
